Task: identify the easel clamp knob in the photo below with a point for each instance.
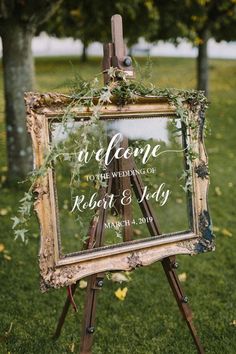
(91, 330)
(127, 61)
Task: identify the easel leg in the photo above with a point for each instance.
(169, 268)
(168, 265)
(64, 313)
(95, 283)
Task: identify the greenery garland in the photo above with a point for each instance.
(84, 94)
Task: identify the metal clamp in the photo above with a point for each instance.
(91, 330)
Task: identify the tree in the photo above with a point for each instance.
(89, 23)
(197, 20)
(80, 20)
(18, 22)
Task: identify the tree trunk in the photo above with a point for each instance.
(202, 64)
(84, 56)
(18, 72)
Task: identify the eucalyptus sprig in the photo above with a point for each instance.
(89, 94)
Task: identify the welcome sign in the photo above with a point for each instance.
(124, 191)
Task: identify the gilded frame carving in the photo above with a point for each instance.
(57, 270)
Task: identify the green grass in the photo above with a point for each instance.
(148, 321)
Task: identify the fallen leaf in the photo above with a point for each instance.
(65, 206)
(6, 334)
(119, 277)
(83, 284)
(2, 247)
(218, 191)
(137, 232)
(112, 219)
(6, 257)
(182, 277)
(84, 184)
(86, 177)
(121, 293)
(3, 211)
(216, 229)
(230, 184)
(96, 185)
(179, 200)
(72, 348)
(3, 178)
(226, 233)
(233, 323)
(128, 273)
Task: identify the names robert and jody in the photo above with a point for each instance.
(80, 204)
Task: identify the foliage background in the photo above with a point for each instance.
(148, 321)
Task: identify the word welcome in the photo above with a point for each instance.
(114, 151)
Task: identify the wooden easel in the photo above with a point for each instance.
(114, 56)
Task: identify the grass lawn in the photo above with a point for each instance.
(148, 321)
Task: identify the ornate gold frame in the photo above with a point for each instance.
(57, 270)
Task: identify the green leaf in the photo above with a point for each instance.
(105, 96)
(27, 197)
(20, 233)
(16, 221)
